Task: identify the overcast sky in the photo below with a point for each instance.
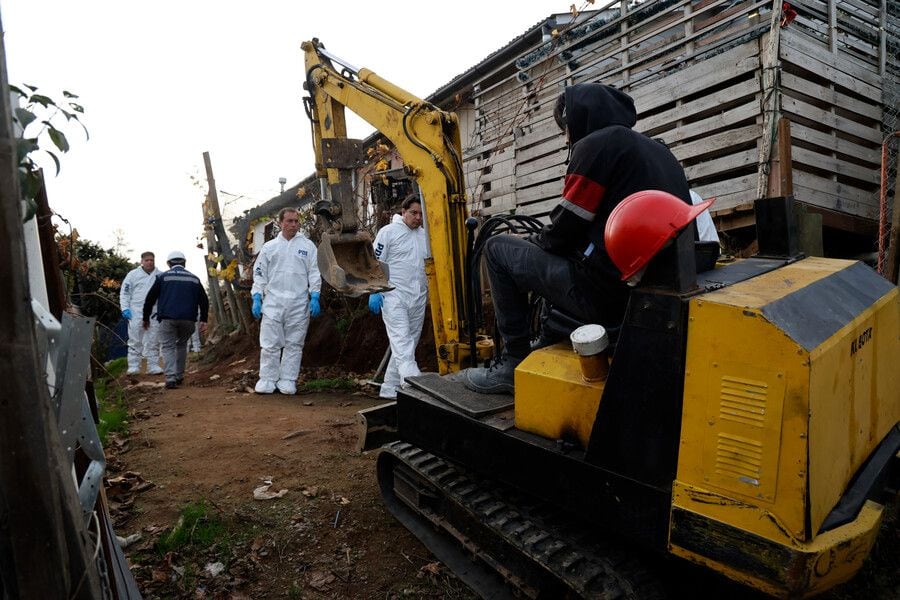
(164, 81)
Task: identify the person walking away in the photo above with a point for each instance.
(142, 344)
(179, 298)
(567, 263)
(402, 246)
(286, 285)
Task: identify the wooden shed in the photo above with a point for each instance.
(756, 99)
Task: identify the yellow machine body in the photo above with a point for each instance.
(553, 400)
(779, 413)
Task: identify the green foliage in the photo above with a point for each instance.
(116, 367)
(337, 383)
(196, 527)
(40, 118)
(113, 417)
(111, 407)
(93, 276)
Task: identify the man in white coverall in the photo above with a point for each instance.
(141, 343)
(286, 285)
(402, 245)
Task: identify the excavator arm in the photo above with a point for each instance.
(428, 141)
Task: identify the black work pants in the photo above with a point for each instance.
(516, 267)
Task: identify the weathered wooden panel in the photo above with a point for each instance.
(493, 206)
(802, 51)
(539, 209)
(796, 109)
(550, 189)
(829, 142)
(848, 193)
(554, 173)
(540, 133)
(718, 122)
(697, 78)
(499, 187)
(690, 109)
(548, 147)
(835, 166)
(726, 25)
(497, 170)
(716, 143)
(493, 149)
(821, 93)
(725, 164)
(730, 193)
(831, 195)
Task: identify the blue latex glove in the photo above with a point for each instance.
(127, 313)
(375, 302)
(314, 308)
(257, 306)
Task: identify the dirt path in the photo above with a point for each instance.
(328, 537)
(202, 449)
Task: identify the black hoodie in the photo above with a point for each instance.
(608, 162)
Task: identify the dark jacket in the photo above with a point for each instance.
(178, 294)
(609, 161)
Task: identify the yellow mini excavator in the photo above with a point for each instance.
(749, 422)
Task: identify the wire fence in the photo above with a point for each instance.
(890, 154)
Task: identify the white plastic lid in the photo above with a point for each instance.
(589, 340)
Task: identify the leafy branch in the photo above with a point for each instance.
(38, 115)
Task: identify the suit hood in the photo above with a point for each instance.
(593, 106)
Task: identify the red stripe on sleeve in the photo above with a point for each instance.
(583, 192)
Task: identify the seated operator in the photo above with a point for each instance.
(567, 262)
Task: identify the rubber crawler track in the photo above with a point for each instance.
(586, 568)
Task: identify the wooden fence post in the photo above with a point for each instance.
(223, 246)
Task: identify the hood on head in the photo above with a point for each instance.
(593, 106)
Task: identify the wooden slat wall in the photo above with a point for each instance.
(831, 90)
(671, 56)
(696, 71)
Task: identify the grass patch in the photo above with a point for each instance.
(111, 401)
(319, 385)
(113, 416)
(196, 528)
(116, 367)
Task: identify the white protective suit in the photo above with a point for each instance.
(285, 273)
(404, 251)
(706, 229)
(142, 343)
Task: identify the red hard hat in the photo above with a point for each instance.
(641, 225)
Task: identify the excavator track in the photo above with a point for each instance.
(516, 543)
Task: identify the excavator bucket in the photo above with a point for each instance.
(348, 264)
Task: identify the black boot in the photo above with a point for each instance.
(499, 378)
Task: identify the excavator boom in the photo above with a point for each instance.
(428, 141)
